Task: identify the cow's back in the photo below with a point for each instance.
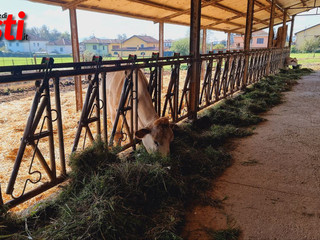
(114, 85)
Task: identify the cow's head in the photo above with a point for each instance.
(292, 61)
(157, 137)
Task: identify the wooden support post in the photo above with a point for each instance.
(291, 31)
(270, 36)
(76, 55)
(284, 29)
(284, 37)
(195, 18)
(228, 41)
(204, 51)
(247, 38)
(161, 39)
(161, 48)
(204, 41)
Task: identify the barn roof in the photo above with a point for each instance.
(101, 41)
(145, 38)
(308, 28)
(221, 15)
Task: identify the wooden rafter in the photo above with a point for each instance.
(157, 5)
(303, 3)
(238, 13)
(72, 4)
(266, 8)
(186, 11)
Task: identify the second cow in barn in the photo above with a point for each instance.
(291, 61)
(155, 131)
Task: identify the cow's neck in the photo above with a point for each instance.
(147, 113)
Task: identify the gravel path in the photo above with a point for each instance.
(272, 191)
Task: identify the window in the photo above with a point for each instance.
(17, 44)
(238, 44)
(38, 44)
(115, 47)
(142, 45)
(115, 53)
(34, 44)
(10, 44)
(94, 47)
(61, 49)
(143, 53)
(260, 40)
(102, 47)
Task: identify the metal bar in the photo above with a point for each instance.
(50, 129)
(195, 19)
(83, 113)
(159, 89)
(131, 133)
(136, 102)
(76, 55)
(90, 134)
(43, 162)
(97, 100)
(23, 145)
(34, 192)
(38, 115)
(104, 109)
(1, 200)
(60, 127)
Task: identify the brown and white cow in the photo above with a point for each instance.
(291, 61)
(155, 132)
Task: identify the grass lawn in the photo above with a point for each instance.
(308, 60)
(14, 61)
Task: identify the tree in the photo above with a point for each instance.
(181, 46)
(218, 46)
(45, 33)
(311, 45)
(122, 37)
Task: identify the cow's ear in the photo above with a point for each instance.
(142, 132)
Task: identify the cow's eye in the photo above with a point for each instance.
(156, 143)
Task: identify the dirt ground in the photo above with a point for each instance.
(272, 189)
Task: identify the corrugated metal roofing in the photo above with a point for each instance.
(222, 15)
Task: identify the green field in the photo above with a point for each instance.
(311, 60)
(304, 58)
(14, 61)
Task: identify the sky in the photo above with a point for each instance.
(109, 26)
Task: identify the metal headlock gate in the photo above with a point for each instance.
(223, 76)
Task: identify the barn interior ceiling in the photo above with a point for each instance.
(220, 15)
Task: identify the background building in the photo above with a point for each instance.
(259, 40)
(307, 35)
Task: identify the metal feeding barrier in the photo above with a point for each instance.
(224, 75)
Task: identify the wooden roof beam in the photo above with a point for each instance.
(185, 11)
(267, 8)
(72, 4)
(303, 3)
(157, 5)
(238, 13)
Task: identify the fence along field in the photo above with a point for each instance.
(223, 80)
